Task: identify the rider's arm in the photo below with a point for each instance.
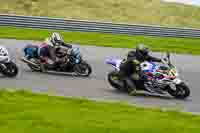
(52, 52)
(66, 45)
(154, 59)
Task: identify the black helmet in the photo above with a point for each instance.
(142, 49)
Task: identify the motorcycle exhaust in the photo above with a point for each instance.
(29, 62)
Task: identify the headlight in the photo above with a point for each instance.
(77, 61)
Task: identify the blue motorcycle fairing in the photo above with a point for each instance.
(31, 52)
(76, 53)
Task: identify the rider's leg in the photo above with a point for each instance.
(43, 56)
(131, 87)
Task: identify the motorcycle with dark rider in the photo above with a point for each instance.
(164, 78)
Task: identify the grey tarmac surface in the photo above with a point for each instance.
(96, 86)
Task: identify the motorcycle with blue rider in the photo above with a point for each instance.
(64, 58)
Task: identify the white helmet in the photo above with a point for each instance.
(3, 51)
(56, 39)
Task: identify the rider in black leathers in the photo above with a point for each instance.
(130, 68)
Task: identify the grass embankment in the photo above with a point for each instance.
(177, 45)
(125, 11)
(23, 112)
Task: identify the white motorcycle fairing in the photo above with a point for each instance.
(4, 55)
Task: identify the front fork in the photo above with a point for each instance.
(174, 83)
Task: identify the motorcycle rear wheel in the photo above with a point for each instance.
(115, 81)
(11, 70)
(83, 69)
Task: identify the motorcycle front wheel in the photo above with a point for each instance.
(182, 91)
(83, 69)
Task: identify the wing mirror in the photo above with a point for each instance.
(168, 57)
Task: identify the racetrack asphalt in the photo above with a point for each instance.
(96, 86)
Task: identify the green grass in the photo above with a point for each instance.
(124, 11)
(176, 45)
(25, 112)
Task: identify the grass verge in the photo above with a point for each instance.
(27, 112)
(154, 12)
(176, 45)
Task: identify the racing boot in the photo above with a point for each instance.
(131, 88)
(43, 67)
